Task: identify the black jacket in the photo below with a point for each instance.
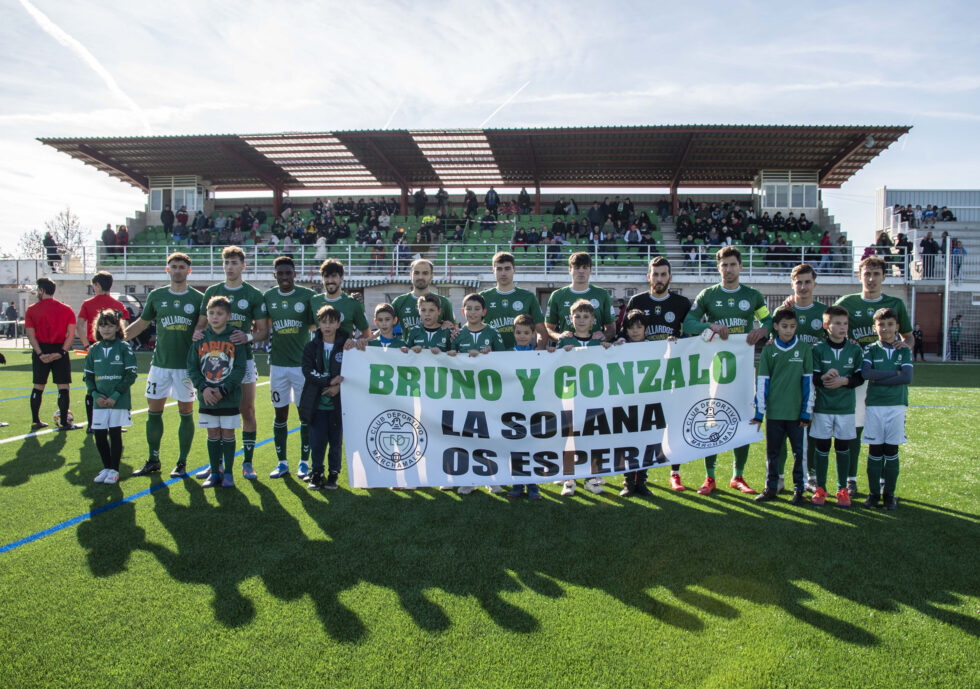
(318, 375)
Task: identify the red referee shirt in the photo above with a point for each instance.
(90, 311)
(50, 319)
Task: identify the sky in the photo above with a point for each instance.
(198, 67)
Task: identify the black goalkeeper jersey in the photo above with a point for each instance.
(663, 317)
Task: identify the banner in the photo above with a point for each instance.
(532, 417)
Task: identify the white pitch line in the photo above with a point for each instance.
(34, 434)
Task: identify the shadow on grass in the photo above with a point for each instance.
(685, 560)
(34, 458)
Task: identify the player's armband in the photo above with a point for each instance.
(762, 313)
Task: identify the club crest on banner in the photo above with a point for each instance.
(396, 440)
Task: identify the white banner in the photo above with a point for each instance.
(532, 417)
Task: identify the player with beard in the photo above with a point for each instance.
(351, 310)
(406, 305)
(664, 313)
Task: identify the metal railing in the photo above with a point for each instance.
(471, 259)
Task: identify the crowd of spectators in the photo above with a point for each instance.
(920, 218)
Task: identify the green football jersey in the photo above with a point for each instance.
(351, 311)
(884, 358)
(247, 306)
(736, 308)
(577, 342)
(809, 323)
(784, 384)
(407, 311)
(290, 319)
(503, 307)
(558, 311)
(379, 341)
(175, 314)
(846, 360)
(861, 316)
(429, 338)
(481, 339)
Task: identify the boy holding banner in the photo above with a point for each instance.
(385, 319)
(524, 336)
(429, 334)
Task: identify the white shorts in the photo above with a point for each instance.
(885, 426)
(205, 420)
(827, 426)
(860, 392)
(251, 372)
(110, 418)
(162, 383)
(286, 383)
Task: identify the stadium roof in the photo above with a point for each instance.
(647, 156)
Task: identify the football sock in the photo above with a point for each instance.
(874, 474)
(709, 465)
(102, 444)
(154, 434)
(228, 450)
(36, 396)
(741, 459)
(820, 460)
(185, 436)
(115, 447)
(214, 455)
(855, 454)
(89, 406)
(675, 468)
(843, 465)
(890, 471)
(63, 398)
(279, 435)
(304, 439)
(248, 444)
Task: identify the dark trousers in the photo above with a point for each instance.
(324, 435)
(777, 431)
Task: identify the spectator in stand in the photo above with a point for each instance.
(633, 238)
(384, 222)
(108, 240)
(51, 251)
(492, 201)
(167, 220)
(524, 202)
(424, 235)
(803, 223)
(237, 238)
(442, 200)
(959, 253)
(595, 215)
(929, 217)
(272, 246)
(457, 235)
(571, 208)
(826, 253)
(362, 237)
(558, 225)
(520, 239)
(946, 215)
(260, 217)
(287, 210)
(470, 205)
(317, 206)
(904, 251)
(534, 236)
(943, 240)
(288, 246)
(486, 223)
(421, 198)
(378, 257)
(842, 256)
(182, 216)
(929, 249)
(122, 239)
(220, 222)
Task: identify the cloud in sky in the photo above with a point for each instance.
(187, 67)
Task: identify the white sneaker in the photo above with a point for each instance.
(811, 485)
(568, 489)
(100, 477)
(496, 490)
(593, 486)
(445, 487)
(465, 490)
(111, 477)
(600, 480)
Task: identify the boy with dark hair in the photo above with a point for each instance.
(784, 397)
(385, 319)
(216, 365)
(635, 330)
(320, 404)
(836, 373)
(524, 332)
(429, 333)
(476, 337)
(889, 371)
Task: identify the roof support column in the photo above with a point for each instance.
(674, 205)
(404, 201)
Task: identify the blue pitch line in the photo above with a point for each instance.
(50, 392)
(112, 505)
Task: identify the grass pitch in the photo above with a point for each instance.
(270, 585)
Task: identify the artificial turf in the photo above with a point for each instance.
(271, 585)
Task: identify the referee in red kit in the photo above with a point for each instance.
(50, 328)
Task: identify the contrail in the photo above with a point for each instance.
(58, 34)
(502, 105)
(392, 115)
